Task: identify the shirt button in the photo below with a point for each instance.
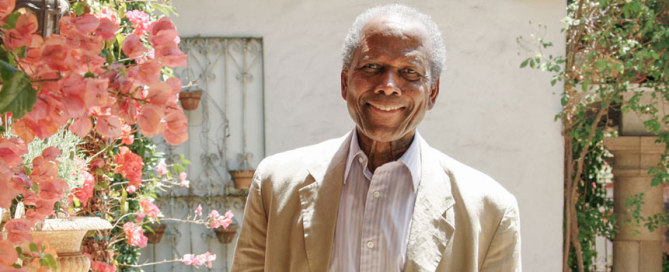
(377, 194)
(361, 159)
(370, 244)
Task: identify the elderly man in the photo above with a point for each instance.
(380, 198)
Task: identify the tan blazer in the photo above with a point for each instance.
(462, 220)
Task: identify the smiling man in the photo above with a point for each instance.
(380, 198)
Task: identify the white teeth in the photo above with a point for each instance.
(385, 108)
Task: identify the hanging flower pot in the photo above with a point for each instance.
(157, 235)
(242, 178)
(190, 99)
(225, 236)
(65, 235)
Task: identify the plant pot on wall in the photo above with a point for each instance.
(190, 99)
(242, 178)
(157, 235)
(225, 236)
(65, 235)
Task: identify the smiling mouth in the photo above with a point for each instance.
(385, 108)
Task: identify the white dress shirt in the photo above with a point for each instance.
(375, 211)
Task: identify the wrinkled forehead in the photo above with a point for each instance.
(395, 25)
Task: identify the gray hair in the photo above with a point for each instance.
(437, 55)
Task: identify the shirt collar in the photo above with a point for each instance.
(410, 158)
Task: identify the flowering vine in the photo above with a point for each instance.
(106, 78)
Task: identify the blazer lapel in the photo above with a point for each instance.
(433, 220)
(320, 204)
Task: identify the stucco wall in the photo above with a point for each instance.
(490, 114)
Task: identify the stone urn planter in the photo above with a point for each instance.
(225, 236)
(190, 99)
(65, 236)
(242, 178)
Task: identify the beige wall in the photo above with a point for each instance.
(490, 114)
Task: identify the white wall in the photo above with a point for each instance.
(490, 114)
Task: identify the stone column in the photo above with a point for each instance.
(636, 249)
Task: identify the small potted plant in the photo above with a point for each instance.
(226, 235)
(190, 99)
(242, 178)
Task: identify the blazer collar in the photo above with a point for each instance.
(433, 220)
(319, 199)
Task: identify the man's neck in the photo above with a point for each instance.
(380, 153)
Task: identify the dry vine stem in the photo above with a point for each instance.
(571, 224)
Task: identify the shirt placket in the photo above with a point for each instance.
(370, 241)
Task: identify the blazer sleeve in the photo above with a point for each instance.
(504, 251)
(250, 250)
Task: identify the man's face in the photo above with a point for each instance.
(387, 87)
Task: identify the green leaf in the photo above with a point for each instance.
(524, 63)
(78, 8)
(52, 261)
(33, 247)
(17, 94)
(11, 20)
(124, 204)
(165, 8)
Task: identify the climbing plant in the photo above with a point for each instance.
(615, 56)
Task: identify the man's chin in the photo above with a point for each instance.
(382, 135)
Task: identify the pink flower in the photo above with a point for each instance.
(102, 267)
(198, 210)
(133, 47)
(43, 170)
(128, 140)
(6, 7)
(190, 259)
(109, 126)
(23, 33)
(149, 208)
(86, 24)
(131, 189)
(140, 217)
(150, 120)
(140, 19)
(51, 153)
(135, 235)
(129, 166)
(81, 126)
(162, 31)
(183, 181)
(216, 220)
(176, 125)
(162, 168)
(52, 189)
(18, 231)
(11, 150)
(9, 255)
(86, 190)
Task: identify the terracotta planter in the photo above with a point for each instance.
(65, 236)
(190, 100)
(225, 236)
(157, 235)
(242, 178)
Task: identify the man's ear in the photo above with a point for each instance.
(344, 83)
(434, 91)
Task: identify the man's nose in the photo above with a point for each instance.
(388, 84)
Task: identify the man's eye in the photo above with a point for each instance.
(371, 67)
(411, 74)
